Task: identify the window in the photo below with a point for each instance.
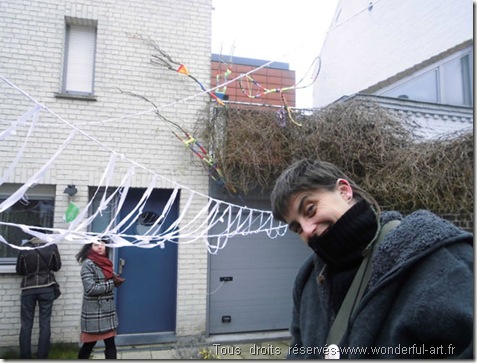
(102, 220)
(35, 209)
(449, 82)
(422, 88)
(79, 59)
(456, 76)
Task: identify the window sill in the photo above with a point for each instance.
(6, 269)
(76, 97)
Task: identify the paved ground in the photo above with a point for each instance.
(242, 348)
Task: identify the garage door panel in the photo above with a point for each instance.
(259, 296)
(251, 315)
(271, 253)
(249, 282)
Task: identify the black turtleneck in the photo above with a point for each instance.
(341, 247)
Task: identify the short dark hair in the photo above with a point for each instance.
(310, 174)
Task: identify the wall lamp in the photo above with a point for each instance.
(70, 190)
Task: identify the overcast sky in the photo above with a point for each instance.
(290, 31)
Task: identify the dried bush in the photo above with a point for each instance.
(436, 175)
(376, 148)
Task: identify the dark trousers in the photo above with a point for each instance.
(27, 314)
(109, 351)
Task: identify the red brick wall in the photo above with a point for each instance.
(269, 78)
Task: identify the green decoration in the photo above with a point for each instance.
(72, 212)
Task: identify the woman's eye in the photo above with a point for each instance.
(310, 210)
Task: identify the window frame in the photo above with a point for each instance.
(66, 90)
(441, 83)
(38, 192)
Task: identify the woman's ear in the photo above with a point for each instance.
(345, 189)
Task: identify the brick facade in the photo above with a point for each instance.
(31, 57)
(274, 76)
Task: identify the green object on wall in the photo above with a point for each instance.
(72, 212)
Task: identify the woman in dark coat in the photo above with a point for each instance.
(36, 267)
(418, 301)
(98, 314)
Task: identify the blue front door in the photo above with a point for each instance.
(146, 302)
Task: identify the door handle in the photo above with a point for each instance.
(122, 262)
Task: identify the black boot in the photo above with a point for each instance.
(85, 351)
(110, 353)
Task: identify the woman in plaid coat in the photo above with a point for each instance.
(98, 314)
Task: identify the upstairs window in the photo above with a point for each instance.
(449, 82)
(421, 88)
(457, 80)
(80, 51)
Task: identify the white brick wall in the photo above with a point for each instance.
(31, 57)
(371, 46)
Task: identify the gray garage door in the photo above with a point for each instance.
(257, 292)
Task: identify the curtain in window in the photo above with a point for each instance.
(79, 67)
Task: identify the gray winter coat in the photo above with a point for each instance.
(418, 304)
(98, 313)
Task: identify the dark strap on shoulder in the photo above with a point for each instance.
(357, 288)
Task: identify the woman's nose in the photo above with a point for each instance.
(307, 231)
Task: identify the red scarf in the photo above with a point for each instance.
(103, 262)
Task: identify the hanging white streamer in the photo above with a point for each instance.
(105, 178)
(164, 214)
(21, 120)
(185, 229)
(16, 196)
(34, 114)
